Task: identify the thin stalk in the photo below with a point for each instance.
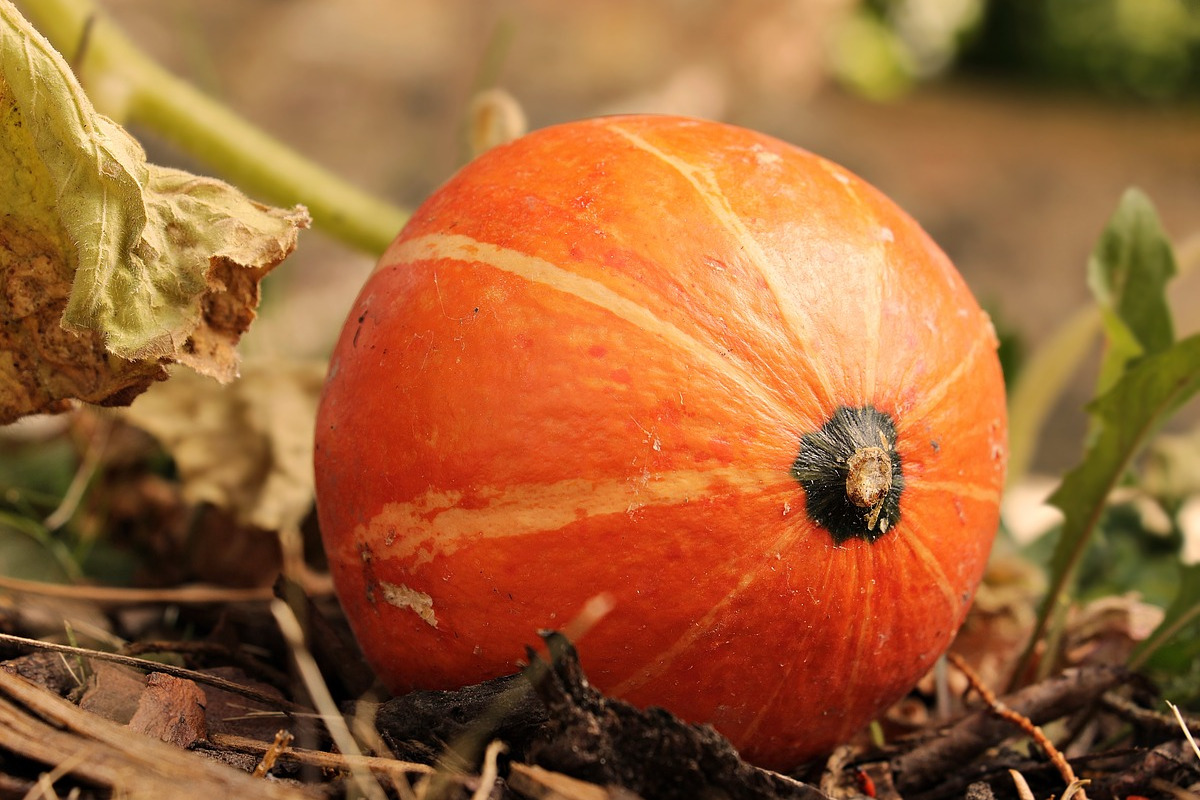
(128, 85)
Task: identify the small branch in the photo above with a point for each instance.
(39, 725)
(197, 594)
(975, 733)
(1020, 721)
(385, 767)
(283, 740)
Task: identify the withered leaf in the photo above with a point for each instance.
(245, 447)
(110, 267)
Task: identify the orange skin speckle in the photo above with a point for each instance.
(586, 365)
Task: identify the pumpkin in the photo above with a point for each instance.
(686, 366)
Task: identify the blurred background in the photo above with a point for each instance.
(1008, 128)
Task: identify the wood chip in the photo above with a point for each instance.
(171, 710)
(47, 729)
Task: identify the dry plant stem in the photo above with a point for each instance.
(1022, 786)
(542, 784)
(259, 164)
(1186, 731)
(283, 740)
(384, 767)
(1020, 721)
(930, 762)
(154, 666)
(490, 771)
(234, 655)
(45, 728)
(83, 476)
(334, 722)
(117, 596)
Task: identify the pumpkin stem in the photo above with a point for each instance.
(851, 474)
(868, 480)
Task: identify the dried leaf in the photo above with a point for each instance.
(171, 710)
(245, 447)
(111, 267)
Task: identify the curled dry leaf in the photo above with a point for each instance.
(111, 267)
(246, 447)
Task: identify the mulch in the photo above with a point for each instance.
(228, 713)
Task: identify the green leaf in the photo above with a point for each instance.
(1144, 397)
(1128, 273)
(1183, 610)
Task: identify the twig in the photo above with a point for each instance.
(236, 655)
(41, 726)
(283, 740)
(316, 758)
(197, 594)
(1178, 792)
(154, 666)
(975, 733)
(1022, 722)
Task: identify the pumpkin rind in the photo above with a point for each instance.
(587, 365)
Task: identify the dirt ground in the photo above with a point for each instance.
(1015, 183)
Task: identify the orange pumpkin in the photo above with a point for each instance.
(707, 373)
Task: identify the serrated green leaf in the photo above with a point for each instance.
(1143, 398)
(1128, 273)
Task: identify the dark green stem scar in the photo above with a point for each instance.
(851, 474)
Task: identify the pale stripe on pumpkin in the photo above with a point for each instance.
(971, 491)
(456, 247)
(771, 268)
(433, 524)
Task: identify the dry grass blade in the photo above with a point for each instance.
(542, 784)
(46, 781)
(1186, 731)
(310, 673)
(43, 727)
